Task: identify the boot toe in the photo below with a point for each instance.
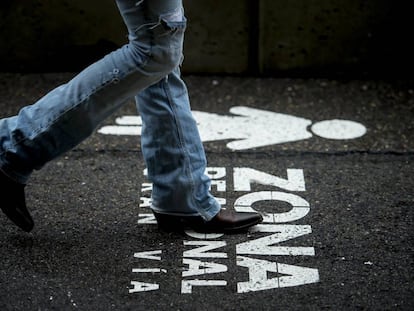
(13, 203)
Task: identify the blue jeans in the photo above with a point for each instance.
(147, 68)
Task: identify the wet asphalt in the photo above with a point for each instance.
(95, 246)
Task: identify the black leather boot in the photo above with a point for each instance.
(226, 221)
(13, 203)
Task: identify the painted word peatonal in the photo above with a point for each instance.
(203, 256)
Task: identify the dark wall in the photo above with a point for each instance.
(272, 37)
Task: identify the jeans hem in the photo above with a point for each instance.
(206, 214)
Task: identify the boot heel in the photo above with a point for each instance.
(169, 223)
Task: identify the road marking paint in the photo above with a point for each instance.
(187, 285)
(244, 177)
(143, 287)
(151, 255)
(205, 259)
(149, 270)
(264, 245)
(259, 270)
(339, 129)
(197, 267)
(250, 128)
(203, 250)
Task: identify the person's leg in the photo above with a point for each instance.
(68, 114)
(173, 151)
(176, 164)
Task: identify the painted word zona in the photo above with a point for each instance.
(267, 258)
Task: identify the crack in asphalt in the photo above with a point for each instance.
(266, 154)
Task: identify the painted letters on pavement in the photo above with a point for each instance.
(205, 260)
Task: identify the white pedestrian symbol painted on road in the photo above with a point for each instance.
(249, 128)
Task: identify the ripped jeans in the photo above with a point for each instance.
(146, 68)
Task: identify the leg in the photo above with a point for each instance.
(173, 151)
(67, 115)
(70, 113)
(176, 163)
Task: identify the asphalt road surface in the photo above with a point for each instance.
(337, 199)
